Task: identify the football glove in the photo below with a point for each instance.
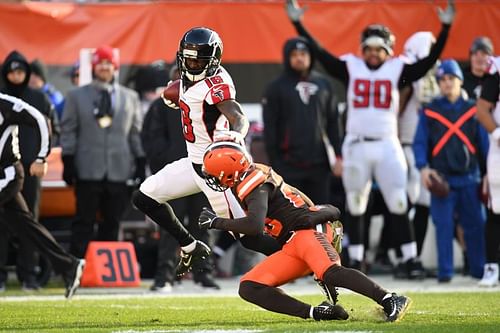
(206, 219)
(169, 103)
(233, 136)
(446, 16)
(293, 10)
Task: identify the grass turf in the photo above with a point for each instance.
(430, 312)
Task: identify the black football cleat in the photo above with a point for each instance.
(205, 280)
(327, 311)
(201, 252)
(395, 307)
(73, 277)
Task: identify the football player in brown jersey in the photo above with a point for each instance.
(308, 233)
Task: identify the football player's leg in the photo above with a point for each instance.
(174, 181)
(414, 183)
(356, 177)
(391, 175)
(315, 248)
(472, 218)
(490, 275)
(259, 285)
(494, 178)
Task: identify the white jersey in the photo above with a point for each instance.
(424, 90)
(372, 97)
(200, 116)
(495, 68)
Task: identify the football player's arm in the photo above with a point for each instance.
(262, 243)
(234, 114)
(23, 113)
(489, 96)
(404, 97)
(483, 141)
(253, 223)
(413, 72)
(333, 65)
(333, 123)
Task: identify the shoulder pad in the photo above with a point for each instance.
(260, 175)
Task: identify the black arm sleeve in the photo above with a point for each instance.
(262, 243)
(253, 223)
(490, 88)
(413, 72)
(333, 65)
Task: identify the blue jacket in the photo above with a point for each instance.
(459, 155)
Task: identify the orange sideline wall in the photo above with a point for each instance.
(252, 31)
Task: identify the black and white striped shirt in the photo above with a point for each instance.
(14, 112)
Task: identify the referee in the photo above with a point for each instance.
(13, 209)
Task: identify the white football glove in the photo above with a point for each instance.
(446, 16)
(233, 136)
(169, 103)
(294, 11)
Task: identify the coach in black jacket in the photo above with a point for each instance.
(300, 123)
(16, 74)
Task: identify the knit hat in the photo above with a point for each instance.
(482, 43)
(105, 53)
(38, 68)
(450, 67)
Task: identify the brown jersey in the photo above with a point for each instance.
(288, 208)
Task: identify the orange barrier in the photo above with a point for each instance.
(110, 264)
(57, 199)
(252, 31)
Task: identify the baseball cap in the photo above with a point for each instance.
(17, 65)
(482, 43)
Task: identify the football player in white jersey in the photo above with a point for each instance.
(416, 47)
(490, 101)
(209, 113)
(371, 147)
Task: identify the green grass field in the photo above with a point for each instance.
(430, 312)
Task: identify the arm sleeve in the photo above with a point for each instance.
(490, 88)
(253, 223)
(484, 144)
(333, 65)
(23, 113)
(333, 124)
(262, 243)
(413, 72)
(420, 143)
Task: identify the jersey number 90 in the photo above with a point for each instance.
(372, 93)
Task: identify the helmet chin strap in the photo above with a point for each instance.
(195, 77)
